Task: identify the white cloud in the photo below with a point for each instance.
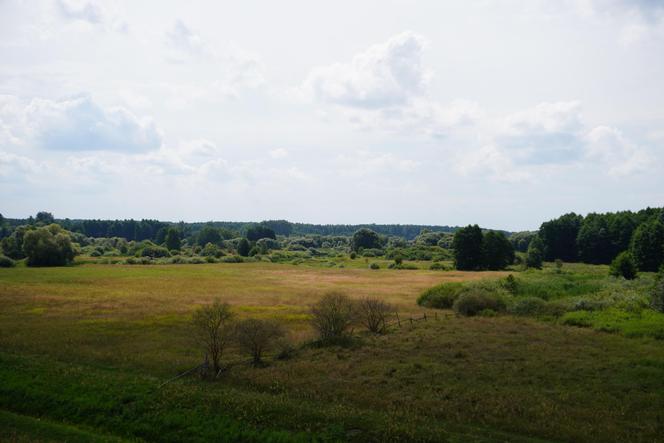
(76, 124)
(180, 37)
(492, 163)
(279, 153)
(87, 11)
(610, 147)
(384, 75)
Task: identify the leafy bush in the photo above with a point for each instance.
(232, 259)
(407, 266)
(353, 255)
(153, 251)
(6, 262)
(48, 246)
(331, 316)
(441, 296)
(438, 266)
(472, 302)
(528, 306)
(374, 265)
(657, 296)
(624, 266)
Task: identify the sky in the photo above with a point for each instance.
(504, 113)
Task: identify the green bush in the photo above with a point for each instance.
(657, 296)
(528, 306)
(154, 251)
(48, 246)
(374, 266)
(438, 266)
(624, 266)
(474, 301)
(441, 296)
(6, 262)
(232, 259)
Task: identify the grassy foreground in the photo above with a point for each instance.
(84, 349)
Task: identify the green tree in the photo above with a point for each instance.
(243, 247)
(366, 239)
(468, 251)
(44, 218)
(209, 234)
(624, 266)
(559, 237)
(256, 232)
(498, 251)
(648, 246)
(535, 254)
(173, 239)
(48, 246)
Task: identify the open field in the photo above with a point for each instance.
(86, 346)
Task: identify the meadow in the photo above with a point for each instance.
(85, 348)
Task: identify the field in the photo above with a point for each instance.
(85, 348)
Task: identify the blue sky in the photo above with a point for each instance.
(502, 113)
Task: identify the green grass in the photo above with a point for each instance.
(20, 428)
(646, 323)
(85, 347)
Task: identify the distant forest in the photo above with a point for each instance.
(154, 229)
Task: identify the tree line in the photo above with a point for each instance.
(600, 238)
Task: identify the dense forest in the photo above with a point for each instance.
(597, 238)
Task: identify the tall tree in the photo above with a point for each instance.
(498, 251)
(535, 254)
(648, 245)
(468, 251)
(559, 237)
(173, 239)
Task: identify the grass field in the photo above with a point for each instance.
(83, 349)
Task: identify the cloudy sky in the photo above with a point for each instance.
(503, 113)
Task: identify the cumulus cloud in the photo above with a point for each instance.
(76, 124)
(610, 147)
(527, 143)
(182, 38)
(386, 87)
(546, 133)
(81, 10)
(385, 74)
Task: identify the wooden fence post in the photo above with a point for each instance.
(398, 320)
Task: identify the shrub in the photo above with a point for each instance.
(353, 255)
(48, 246)
(373, 313)
(437, 266)
(211, 250)
(374, 266)
(6, 262)
(232, 259)
(559, 265)
(624, 266)
(212, 330)
(256, 336)
(510, 284)
(535, 254)
(472, 302)
(657, 295)
(441, 296)
(154, 251)
(528, 306)
(332, 316)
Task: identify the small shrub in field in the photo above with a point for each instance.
(211, 324)
(590, 304)
(6, 262)
(285, 349)
(353, 255)
(624, 266)
(510, 284)
(437, 266)
(440, 296)
(257, 336)
(154, 251)
(374, 266)
(487, 313)
(528, 306)
(657, 295)
(559, 266)
(474, 301)
(373, 313)
(232, 259)
(332, 316)
(580, 319)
